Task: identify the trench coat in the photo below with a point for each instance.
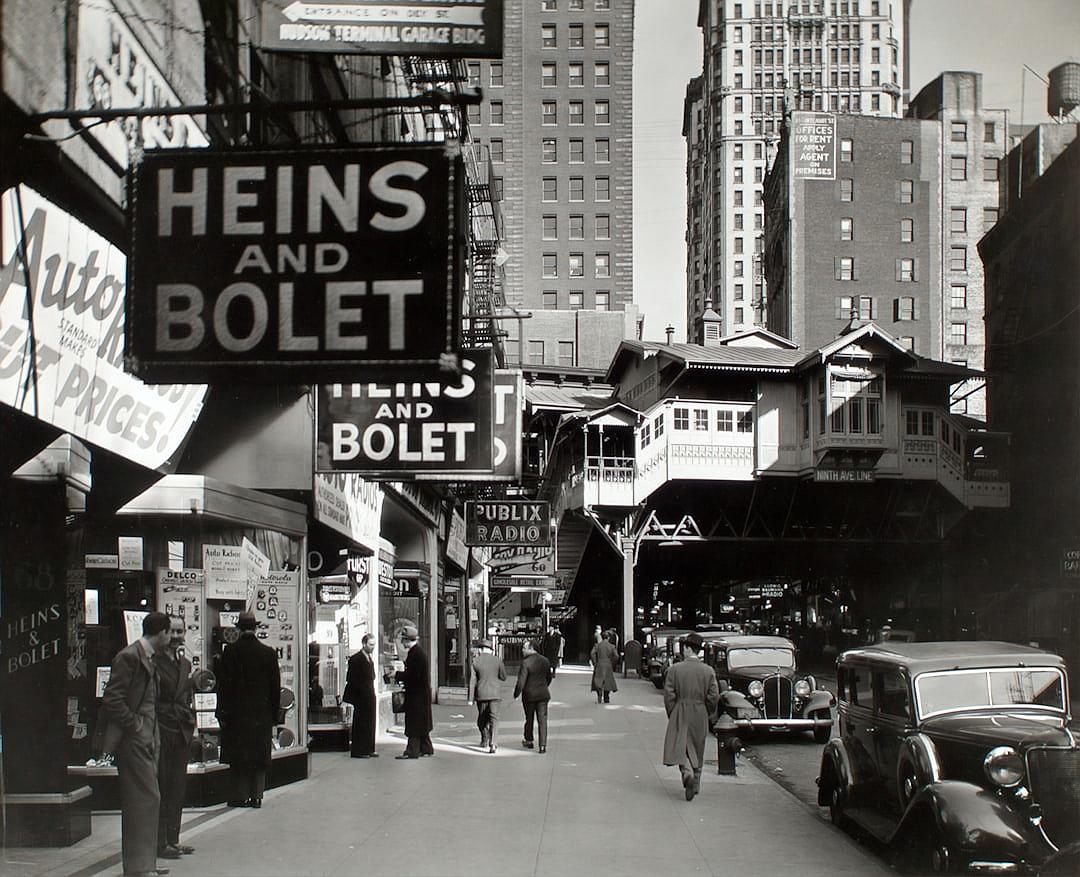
(691, 695)
(604, 657)
(249, 697)
(417, 679)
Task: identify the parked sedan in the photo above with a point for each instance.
(958, 755)
(662, 652)
(761, 688)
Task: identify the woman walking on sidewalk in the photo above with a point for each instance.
(691, 695)
(604, 657)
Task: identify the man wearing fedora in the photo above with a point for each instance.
(485, 688)
(691, 695)
(249, 699)
(533, 679)
(417, 680)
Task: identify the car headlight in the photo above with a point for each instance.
(802, 688)
(1004, 767)
(755, 689)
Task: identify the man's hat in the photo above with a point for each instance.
(246, 621)
(409, 632)
(484, 644)
(695, 641)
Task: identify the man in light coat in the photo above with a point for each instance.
(691, 695)
(485, 688)
(130, 705)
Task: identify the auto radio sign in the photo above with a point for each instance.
(293, 265)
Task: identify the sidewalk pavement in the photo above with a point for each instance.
(599, 798)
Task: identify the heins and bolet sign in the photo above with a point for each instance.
(259, 266)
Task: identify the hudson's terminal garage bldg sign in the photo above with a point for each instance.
(297, 265)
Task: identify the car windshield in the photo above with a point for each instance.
(983, 689)
(760, 657)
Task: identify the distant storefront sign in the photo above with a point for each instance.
(1070, 562)
(334, 593)
(508, 522)
(293, 265)
(113, 72)
(813, 146)
(456, 550)
(522, 561)
(406, 420)
(350, 505)
(435, 28)
(75, 379)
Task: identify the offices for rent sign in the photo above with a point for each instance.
(299, 264)
(62, 333)
(414, 420)
(813, 146)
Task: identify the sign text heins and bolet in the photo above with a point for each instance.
(305, 258)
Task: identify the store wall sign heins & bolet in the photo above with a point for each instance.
(293, 265)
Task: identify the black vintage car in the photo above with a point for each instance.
(661, 652)
(958, 755)
(761, 689)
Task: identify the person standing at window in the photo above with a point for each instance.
(176, 721)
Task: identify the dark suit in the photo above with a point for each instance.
(129, 706)
(418, 723)
(360, 692)
(484, 687)
(176, 721)
(249, 697)
(534, 677)
(550, 647)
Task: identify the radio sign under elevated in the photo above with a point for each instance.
(508, 522)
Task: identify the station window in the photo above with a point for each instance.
(856, 405)
(725, 421)
(658, 425)
(911, 422)
(646, 434)
(928, 423)
(682, 418)
(745, 421)
(701, 420)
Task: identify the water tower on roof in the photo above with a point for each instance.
(1063, 96)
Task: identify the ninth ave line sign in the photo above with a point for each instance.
(507, 522)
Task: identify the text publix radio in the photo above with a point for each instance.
(501, 521)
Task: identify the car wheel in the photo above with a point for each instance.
(836, 805)
(908, 785)
(822, 735)
(939, 858)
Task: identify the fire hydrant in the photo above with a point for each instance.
(727, 744)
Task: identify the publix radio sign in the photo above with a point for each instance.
(508, 522)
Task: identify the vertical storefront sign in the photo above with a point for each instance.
(114, 71)
(180, 594)
(62, 291)
(813, 146)
(428, 28)
(276, 611)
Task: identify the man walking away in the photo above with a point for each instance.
(130, 704)
(249, 698)
(485, 688)
(417, 679)
(690, 698)
(552, 648)
(176, 721)
(533, 679)
(604, 658)
(360, 692)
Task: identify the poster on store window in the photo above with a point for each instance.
(226, 578)
(275, 610)
(180, 594)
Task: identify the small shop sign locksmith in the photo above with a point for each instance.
(416, 419)
(293, 265)
(508, 522)
(435, 28)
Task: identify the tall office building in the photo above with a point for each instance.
(556, 117)
(760, 58)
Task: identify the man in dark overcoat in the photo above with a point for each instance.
(360, 692)
(534, 677)
(691, 695)
(604, 657)
(249, 698)
(129, 704)
(417, 679)
(551, 646)
(176, 721)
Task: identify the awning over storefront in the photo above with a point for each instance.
(217, 500)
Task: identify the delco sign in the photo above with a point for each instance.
(412, 420)
(508, 522)
(299, 265)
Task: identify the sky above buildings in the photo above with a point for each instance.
(993, 37)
